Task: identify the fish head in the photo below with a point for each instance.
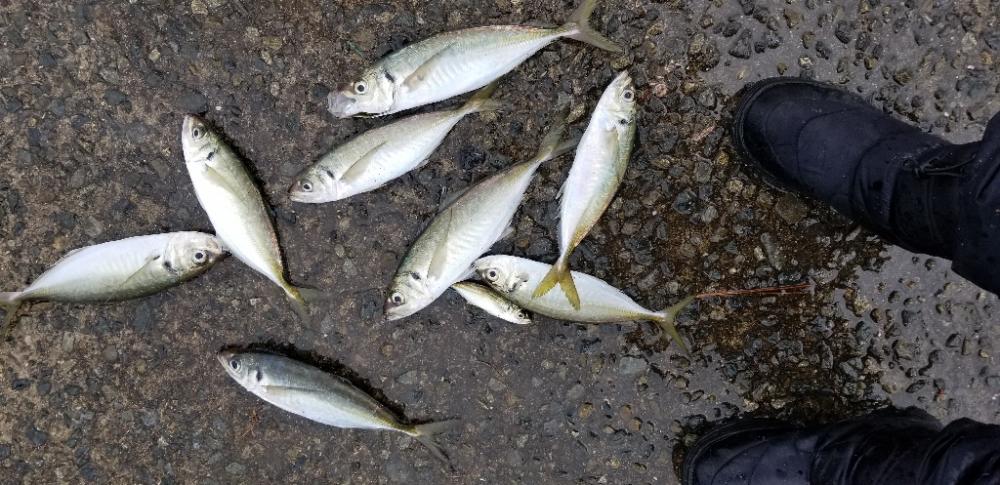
(522, 316)
(190, 253)
(315, 185)
(198, 140)
(619, 101)
(496, 272)
(373, 94)
(407, 295)
(244, 368)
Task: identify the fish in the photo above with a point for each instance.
(120, 270)
(325, 398)
(453, 63)
(463, 231)
(597, 171)
(492, 302)
(513, 277)
(235, 207)
(376, 157)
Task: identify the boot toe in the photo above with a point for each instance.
(749, 452)
(776, 116)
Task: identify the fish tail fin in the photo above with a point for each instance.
(666, 318)
(481, 101)
(9, 303)
(578, 28)
(427, 433)
(559, 273)
(553, 146)
(301, 298)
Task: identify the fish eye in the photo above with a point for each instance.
(306, 186)
(360, 87)
(628, 95)
(235, 364)
(492, 274)
(397, 298)
(196, 132)
(200, 256)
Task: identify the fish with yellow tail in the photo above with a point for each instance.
(513, 277)
(598, 168)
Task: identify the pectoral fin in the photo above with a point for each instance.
(216, 177)
(361, 166)
(440, 259)
(420, 74)
(150, 261)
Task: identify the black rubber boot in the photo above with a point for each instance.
(914, 189)
(888, 447)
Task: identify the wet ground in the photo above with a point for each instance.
(91, 100)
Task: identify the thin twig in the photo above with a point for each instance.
(804, 287)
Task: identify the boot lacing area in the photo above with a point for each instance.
(932, 165)
(923, 212)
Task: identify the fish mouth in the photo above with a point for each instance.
(309, 197)
(341, 105)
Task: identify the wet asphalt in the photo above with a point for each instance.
(92, 95)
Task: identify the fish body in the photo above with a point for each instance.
(319, 396)
(127, 268)
(515, 278)
(491, 302)
(597, 171)
(444, 252)
(234, 204)
(123, 269)
(378, 156)
(453, 63)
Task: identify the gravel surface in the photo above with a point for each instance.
(92, 95)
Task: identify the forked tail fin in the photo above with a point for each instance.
(427, 433)
(9, 303)
(666, 318)
(553, 145)
(301, 298)
(578, 28)
(481, 101)
(559, 273)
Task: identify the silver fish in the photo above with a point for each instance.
(383, 154)
(514, 278)
(234, 205)
(491, 302)
(598, 169)
(453, 63)
(325, 398)
(119, 270)
(464, 231)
